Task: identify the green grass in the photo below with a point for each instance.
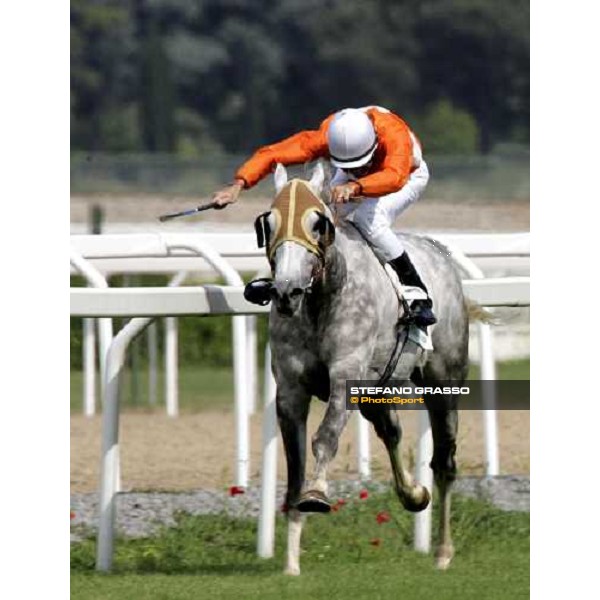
(202, 388)
(515, 370)
(214, 557)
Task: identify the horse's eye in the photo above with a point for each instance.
(319, 226)
(296, 292)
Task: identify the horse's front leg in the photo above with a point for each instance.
(292, 412)
(325, 442)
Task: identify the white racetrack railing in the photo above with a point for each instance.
(224, 300)
(145, 253)
(106, 254)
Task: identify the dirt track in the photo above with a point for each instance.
(197, 450)
(428, 214)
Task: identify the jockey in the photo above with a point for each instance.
(380, 172)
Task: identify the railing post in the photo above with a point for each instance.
(89, 367)
(251, 362)
(424, 476)
(240, 375)
(488, 373)
(110, 467)
(171, 351)
(171, 378)
(152, 341)
(268, 489)
(364, 450)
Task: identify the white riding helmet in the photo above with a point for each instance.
(351, 139)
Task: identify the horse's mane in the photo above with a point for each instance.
(326, 191)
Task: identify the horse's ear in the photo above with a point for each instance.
(281, 177)
(317, 179)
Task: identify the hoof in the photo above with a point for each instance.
(443, 557)
(293, 571)
(314, 501)
(417, 501)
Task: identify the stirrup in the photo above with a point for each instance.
(407, 318)
(419, 313)
(423, 313)
(259, 291)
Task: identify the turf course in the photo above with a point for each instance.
(346, 554)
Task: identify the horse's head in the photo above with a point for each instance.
(296, 232)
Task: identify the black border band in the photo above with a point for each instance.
(349, 160)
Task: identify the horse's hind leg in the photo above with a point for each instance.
(292, 413)
(444, 426)
(414, 497)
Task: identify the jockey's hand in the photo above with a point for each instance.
(344, 193)
(228, 195)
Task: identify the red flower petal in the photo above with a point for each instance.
(383, 517)
(364, 494)
(72, 515)
(341, 502)
(235, 490)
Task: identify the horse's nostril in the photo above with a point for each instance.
(296, 292)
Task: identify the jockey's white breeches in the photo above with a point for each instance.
(374, 216)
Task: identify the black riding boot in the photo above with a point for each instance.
(421, 310)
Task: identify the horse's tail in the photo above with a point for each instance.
(477, 312)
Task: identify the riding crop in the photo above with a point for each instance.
(186, 213)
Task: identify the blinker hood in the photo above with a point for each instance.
(291, 210)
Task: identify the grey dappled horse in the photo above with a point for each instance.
(333, 318)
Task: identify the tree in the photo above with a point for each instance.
(157, 74)
(445, 129)
(102, 70)
(476, 53)
(157, 97)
